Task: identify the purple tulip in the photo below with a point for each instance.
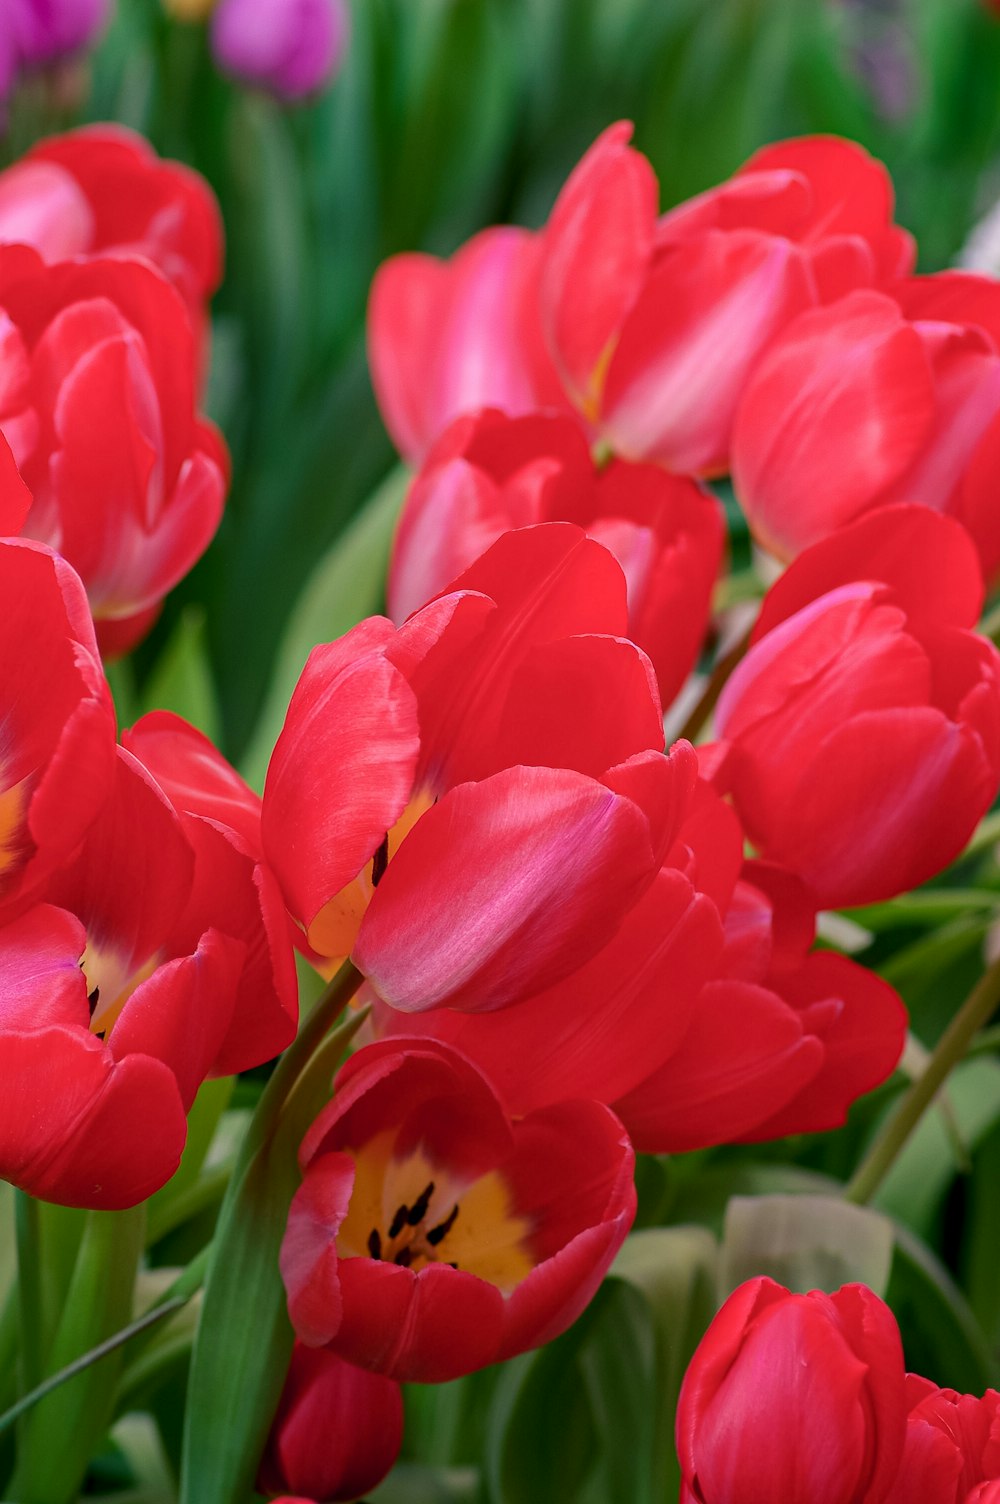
(291, 47)
(49, 29)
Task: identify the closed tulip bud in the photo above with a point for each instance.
(50, 29)
(798, 1398)
(904, 389)
(337, 1432)
(292, 47)
(862, 730)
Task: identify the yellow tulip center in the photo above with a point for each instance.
(409, 1211)
(335, 928)
(110, 985)
(15, 845)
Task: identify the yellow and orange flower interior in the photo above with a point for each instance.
(408, 1210)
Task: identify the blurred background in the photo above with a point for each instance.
(445, 116)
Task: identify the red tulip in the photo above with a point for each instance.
(432, 1234)
(15, 498)
(102, 190)
(489, 473)
(905, 390)
(656, 324)
(337, 1432)
(794, 1397)
(779, 1041)
(166, 948)
(233, 886)
(57, 751)
(691, 1040)
(952, 1452)
(862, 731)
(447, 337)
(470, 805)
(128, 483)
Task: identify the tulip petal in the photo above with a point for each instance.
(853, 377)
(501, 888)
(342, 770)
(82, 1129)
(597, 247)
(684, 355)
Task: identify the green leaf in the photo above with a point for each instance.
(98, 1305)
(182, 678)
(347, 585)
(244, 1338)
(412, 1483)
(940, 1333)
(805, 1243)
(542, 1439)
(675, 1269)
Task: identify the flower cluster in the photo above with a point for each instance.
(805, 1397)
(575, 941)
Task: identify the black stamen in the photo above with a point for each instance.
(452, 1266)
(379, 862)
(439, 1233)
(399, 1220)
(418, 1210)
(93, 998)
(375, 1243)
(404, 1257)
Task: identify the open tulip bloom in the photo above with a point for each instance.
(562, 971)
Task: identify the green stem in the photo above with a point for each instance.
(293, 1062)
(205, 1192)
(951, 1048)
(30, 1264)
(87, 1360)
(716, 684)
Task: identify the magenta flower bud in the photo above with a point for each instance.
(51, 29)
(292, 47)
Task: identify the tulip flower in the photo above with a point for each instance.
(470, 805)
(905, 390)
(489, 473)
(861, 734)
(148, 969)
(50, 29)
(952, 1451)
(649, 325)
(292, 47)
(704, 1020)
(337, 1432)
(58, 749)
(101, 191)
(794, 1397)
(220, 817)
(127, 481)
(449, 337)
(432, 1234)
(655, 324)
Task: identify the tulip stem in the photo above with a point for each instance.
(27, 1224)
(716, 684)
(950, 1050)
